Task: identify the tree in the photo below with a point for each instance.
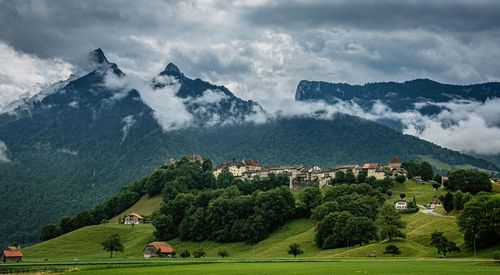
(437, 178)
(294, 249)
(49, 231)
(480, 220)
(392, 249)
(112, 243)
(330, 232)
(199, 253)
(311, 197)
(448, 202)
(362, 175)
(442, 244)
(339, 177)
(349, 177)
(400, 178)
(185, 254)
(225, 179)
(223, 253)
(166, 228)
(425, 171)
(207, 165)
(436, 186)
(402, 195)
(458, 200)
(411, 168)
(361, 230)
(66, 224)
(389, 223)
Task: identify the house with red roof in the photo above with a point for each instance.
(11, 255)
(156, 249)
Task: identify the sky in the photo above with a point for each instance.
(259, 49)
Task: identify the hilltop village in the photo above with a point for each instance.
(301, 176)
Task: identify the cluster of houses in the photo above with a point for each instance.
(301, 176)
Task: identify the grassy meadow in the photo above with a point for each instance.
(84, 244)
(81, 250)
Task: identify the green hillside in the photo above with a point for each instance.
(145, 207)
(84, 243)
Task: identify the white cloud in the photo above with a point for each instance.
(68, 151)
(3, 152)
(23, 75)
(73, 104)
(462, 125)
(128, 122)
(208, 97)
(168, 109)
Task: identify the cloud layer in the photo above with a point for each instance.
(3, 152)
(24, 75)
(261, 49)
(465, 126)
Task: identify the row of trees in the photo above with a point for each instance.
(423, 169)
(455, 201)
(472, 181)
(224, 215)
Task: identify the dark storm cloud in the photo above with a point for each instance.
(457, 16)
(64, 28)
(259, 49)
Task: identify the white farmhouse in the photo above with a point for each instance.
(401, 204)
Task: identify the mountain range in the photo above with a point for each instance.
(78, 141)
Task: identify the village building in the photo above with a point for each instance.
(195, 157)
(11, 255)
(344, 168)
(156, 249)
(444, 181)
(401, 204)
(435, 203)
(133, 218)
(239, 168)
(394, 168)
(374, 170)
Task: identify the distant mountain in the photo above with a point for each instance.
(80, 140)
(424, 96)
(398, 96)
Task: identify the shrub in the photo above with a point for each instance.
(199, 253)
(223, 253)
(185, 254)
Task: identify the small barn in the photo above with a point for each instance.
(133, 218)
(11, 255)
(156, 249)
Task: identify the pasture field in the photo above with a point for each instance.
(346, 266)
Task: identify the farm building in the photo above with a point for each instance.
(11, 255)
(156, 249)
(133, 218)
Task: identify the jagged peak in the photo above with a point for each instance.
(97, 56)
(171, 69)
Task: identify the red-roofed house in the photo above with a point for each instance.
(133, 218)
(156, 249)
(11, 255)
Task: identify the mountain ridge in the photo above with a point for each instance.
(81, 143)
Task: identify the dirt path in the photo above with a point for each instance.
(431, 212)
